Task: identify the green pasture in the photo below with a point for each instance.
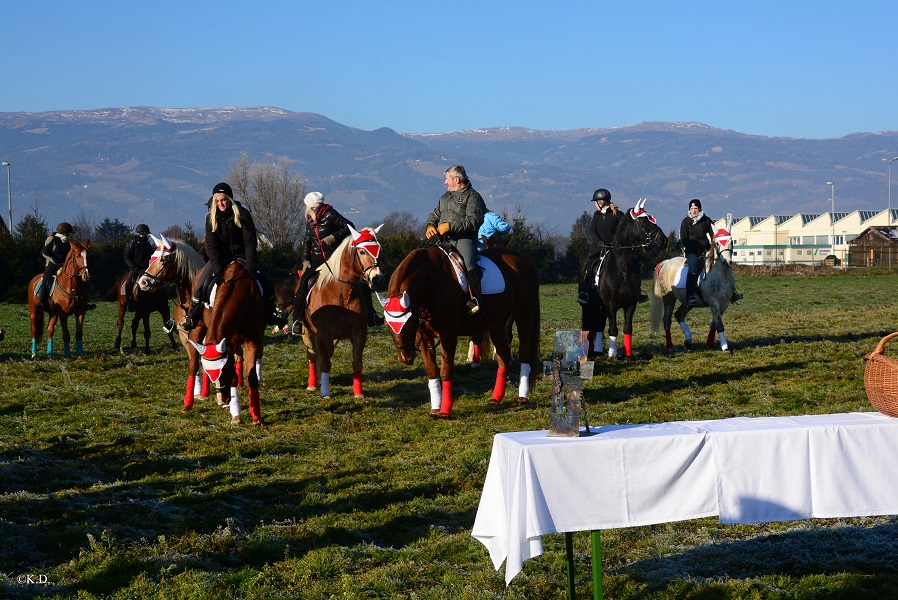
(109, 490)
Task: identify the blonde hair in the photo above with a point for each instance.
(213, 210)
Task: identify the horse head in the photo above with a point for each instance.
(78, 256)
(723, 245)
(158, 270)
(397, 314)
(367, 251)
(639, 228)
(215, 362)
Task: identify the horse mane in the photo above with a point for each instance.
(187, 260)
(333, 263)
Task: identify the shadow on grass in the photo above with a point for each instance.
(860, 550)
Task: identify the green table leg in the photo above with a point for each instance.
(597, 592)
(569, 551)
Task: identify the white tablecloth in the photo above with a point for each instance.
(744, 470)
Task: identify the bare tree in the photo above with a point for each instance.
(397, 223)
(273, 196)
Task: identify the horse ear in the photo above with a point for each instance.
(405, 301)
(165, 243)
(199, 347)
(355, 234)
(376, 229)
(156, 241)
(383, 301)
(222, 346)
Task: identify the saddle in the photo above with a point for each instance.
(491, 279)
(40, 284)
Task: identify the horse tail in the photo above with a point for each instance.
(113, 292)
(657, 306)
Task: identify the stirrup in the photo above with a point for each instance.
(693, 301)
(169, 326)
(186, 324)
(473, 306)
(643, 297)
(296, 328)
(582, 298)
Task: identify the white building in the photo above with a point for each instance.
(802, 238)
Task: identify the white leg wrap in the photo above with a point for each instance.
(723, 341)
(598, 344)
(234, 406)
(436, 397)
(259, 370)
(325, 384)
(612, 346)
(198, 383)
(687, 333)
(524, 385)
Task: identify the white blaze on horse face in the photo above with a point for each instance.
(85, 275)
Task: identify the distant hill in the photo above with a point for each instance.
(157, 165)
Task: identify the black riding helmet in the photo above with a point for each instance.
(64, 228)
(143, 228)
(602, 196)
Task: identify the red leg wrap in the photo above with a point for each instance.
(628, 344)
(255, 408)
(357, 383)
(499, 388)
(476, 358)
(313, 376)
(667, 339)
(204, 388)
(238, 365)
(188, 392)
(446, 402)
(711, 335)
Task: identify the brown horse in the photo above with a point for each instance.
(177, 263)
(66, 298)
(285, 292)
(336, 309)
(143, 303)
(235, 326)
(427, 301)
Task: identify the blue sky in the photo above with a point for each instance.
(780, 68)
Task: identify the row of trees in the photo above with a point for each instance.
(275, 198)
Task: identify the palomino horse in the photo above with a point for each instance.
(427, 301)
(177, 263)
(336, 309)
(66, 298)
(716, 290)
(143, 304)
(235, 326)
(619, 280)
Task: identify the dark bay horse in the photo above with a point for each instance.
(66, 298)
(336, 309)
(235, 327)
(144, 304)
(426, 301)
(177, 263)
(716, 291)
(619, 279)
(285, 293)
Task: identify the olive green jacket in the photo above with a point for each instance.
(463, 210)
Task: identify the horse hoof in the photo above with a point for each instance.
(443, 416)
(185, 409)
(311, 388)
(257, 422)
(235, 420)
(523, 401)
(326, 398)
(358, 396)
(493, 406)
(434, 413)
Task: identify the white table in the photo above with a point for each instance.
(744, 470)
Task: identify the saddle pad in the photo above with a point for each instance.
(491, 279)
(212, 293)
(680, 278)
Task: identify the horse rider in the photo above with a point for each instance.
(230, 236)
(56, 249)
(458, 217)
(137, 258)
(696, 232)
(494, 232)
(326, 228)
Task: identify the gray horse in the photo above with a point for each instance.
(716, 290)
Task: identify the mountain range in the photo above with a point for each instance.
(158, 166)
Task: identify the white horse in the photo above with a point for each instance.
(717, 288)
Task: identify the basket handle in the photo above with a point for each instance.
(882, 343)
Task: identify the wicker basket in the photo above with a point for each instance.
(881, 379)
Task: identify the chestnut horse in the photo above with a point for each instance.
(143, 304)
(336, 309)
(619, 280)
(66, 298)
(235, 326)
(426, 300)
(177, 263)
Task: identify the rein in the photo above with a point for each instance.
(362, 267)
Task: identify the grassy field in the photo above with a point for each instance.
(108, 490)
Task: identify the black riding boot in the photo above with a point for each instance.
(299, 308)
(473, 304)
(691, 285)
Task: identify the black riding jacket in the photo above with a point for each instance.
(55, 250)
(602, 230)
(230, 242)
(695, 236)
(327, 222)
(138, 252)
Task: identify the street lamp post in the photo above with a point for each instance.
(8, 199)
(832, 216)
(890, 161)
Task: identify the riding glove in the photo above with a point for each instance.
(443, 228)
(430, 231)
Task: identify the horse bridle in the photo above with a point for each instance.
(159, 280)
(364, 269)
(71, 276)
